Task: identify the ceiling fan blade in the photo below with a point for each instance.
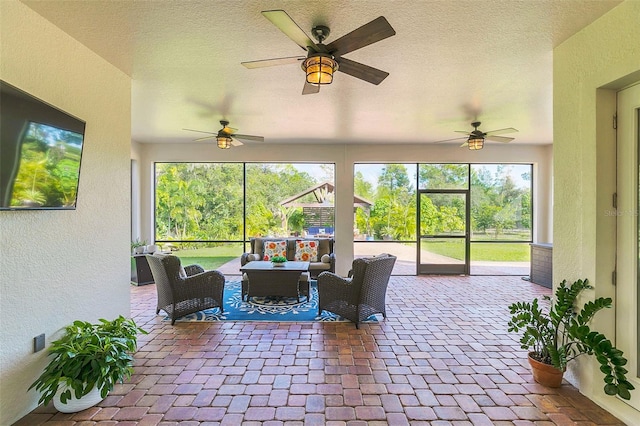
(236, 142)
(462, 131)
(502, 139)
(449, 140)
(310, 89)
(249, 137)
(200, 131)
(361, 71)
(370, 33)
(283, 21)
(205, 138)
(273, 62)
(501, 131)
(465, 144)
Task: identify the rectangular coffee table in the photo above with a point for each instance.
(264, 279)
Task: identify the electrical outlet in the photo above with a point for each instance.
(38, 343)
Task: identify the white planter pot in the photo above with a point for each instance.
(74, 405)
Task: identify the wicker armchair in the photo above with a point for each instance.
(183, 291)
(362, 294)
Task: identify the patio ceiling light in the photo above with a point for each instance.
(475, 143)
(319, 68)
(224, 142)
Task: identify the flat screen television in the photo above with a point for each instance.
(40, 153)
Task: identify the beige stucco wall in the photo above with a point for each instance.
(344, 156)
(59, 266)
(588, 68)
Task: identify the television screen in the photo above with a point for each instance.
(40, 153)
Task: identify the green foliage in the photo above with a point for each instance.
(394, 210)
(138, 243)
(497, 203)
(278, 259)
(87, 356)
(563, 333)
(444, 176)
(204, 201)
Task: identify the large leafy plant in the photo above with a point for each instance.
(87, 356)
(563, 333)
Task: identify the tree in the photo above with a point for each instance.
(267, 186)
(393, 213)
(444, 176)
(497, 202)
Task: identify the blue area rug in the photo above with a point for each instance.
(275, 309)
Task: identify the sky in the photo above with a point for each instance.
(371, 172)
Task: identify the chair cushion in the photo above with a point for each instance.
(274, 248)
(306, 251)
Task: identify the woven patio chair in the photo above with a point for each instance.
(360, 295)
(183, 291)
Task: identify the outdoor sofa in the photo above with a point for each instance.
(325, 259)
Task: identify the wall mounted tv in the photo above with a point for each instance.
(40, 153)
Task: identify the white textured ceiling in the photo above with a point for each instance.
(451, 61)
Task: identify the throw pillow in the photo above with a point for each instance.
(253, 257)
(274, 248)
(325, 258)
(306, 251)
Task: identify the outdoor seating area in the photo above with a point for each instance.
(317, 251)
(359, 234)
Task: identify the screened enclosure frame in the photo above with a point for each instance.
(245, 238)
(474, 237)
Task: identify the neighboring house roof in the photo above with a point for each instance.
(323, 193)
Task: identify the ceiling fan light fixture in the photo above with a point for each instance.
(319, 68)
(224, 142)
(475, 143)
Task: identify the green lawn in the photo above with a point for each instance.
(214, 257)
(504, 252)
(209, 257)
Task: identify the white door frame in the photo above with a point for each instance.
(627, 285)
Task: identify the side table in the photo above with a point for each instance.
(143, 272)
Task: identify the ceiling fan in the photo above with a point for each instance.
(226, 137)
(323, 60)
(475, 139)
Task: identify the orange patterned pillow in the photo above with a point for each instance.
(274, 248)
(306, 251)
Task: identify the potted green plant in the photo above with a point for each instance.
(387, 233)
(137, 246)
(88, 360)
(278, 260)
(561, 334)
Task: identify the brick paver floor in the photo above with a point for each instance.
(441, 357)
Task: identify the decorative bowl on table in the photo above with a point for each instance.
(278, 260)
